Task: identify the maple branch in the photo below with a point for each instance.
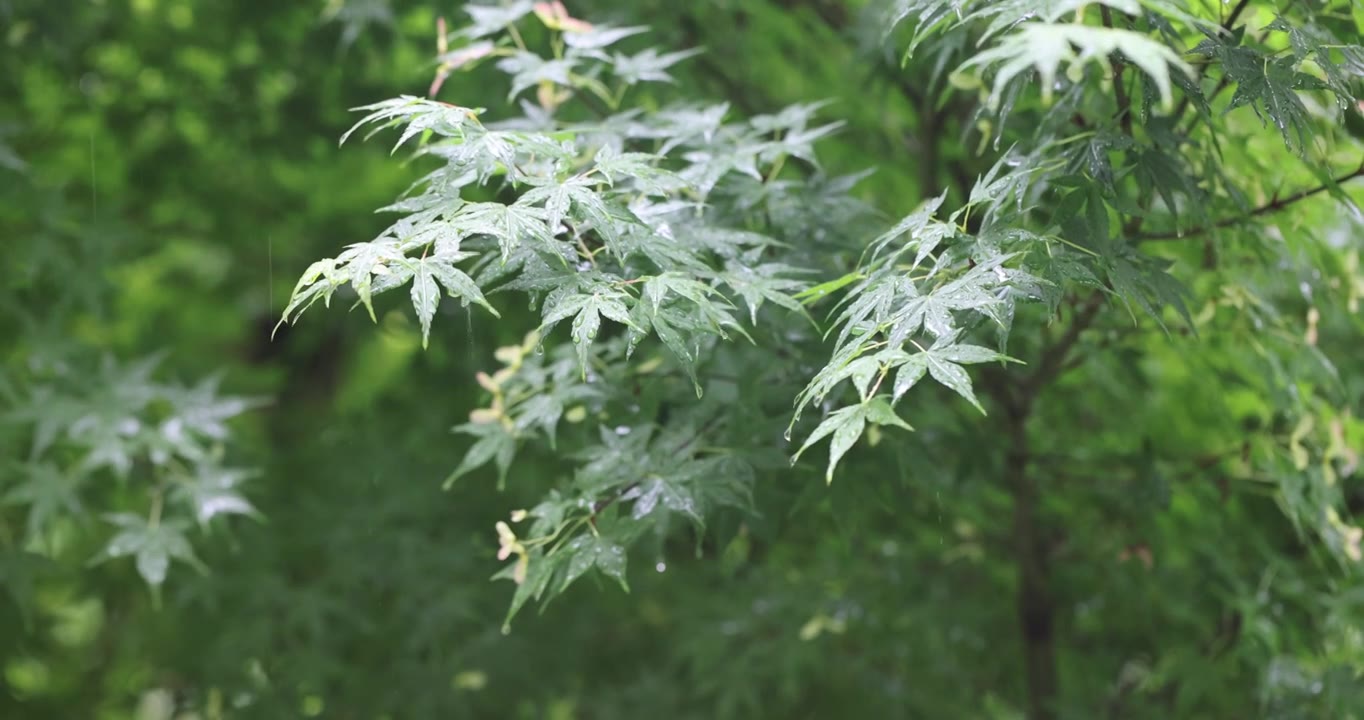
(1054, 357)
(1235, 13)
(599, 505)
(1273, 206)
(1034, 598)
(1120, 90)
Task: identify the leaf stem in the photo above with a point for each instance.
(516, 37)
(154, 517)
(587, 254)
(776, 168)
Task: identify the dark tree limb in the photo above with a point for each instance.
(1056, 356)
(1273, 206)
(1124, 102)
(1034, 601)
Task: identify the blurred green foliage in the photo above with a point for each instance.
(169, 167)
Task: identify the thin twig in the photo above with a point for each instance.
(1120, 90)
(1273, 206)
(1055, 356)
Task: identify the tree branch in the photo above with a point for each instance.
(1034, 601)
(1054, 357)
(1033, 598)
(1120, 90)
(1273, 206)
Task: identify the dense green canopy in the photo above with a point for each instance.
(775, 358)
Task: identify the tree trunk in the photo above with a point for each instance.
(1034, 602)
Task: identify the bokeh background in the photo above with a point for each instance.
(169, 167)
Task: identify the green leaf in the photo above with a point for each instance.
(927, 15)
(914, 225)
(539, 573)
(953, 376)
(510, 225)
(822, 290)
(943, 362)
(152, 545)
(420, 115)
(528, 70)
(425, 298)
(656, 491)
(846, 426)
(495, 444)
(48, 492)
(1045, 47)
(640, 170)
(493, 19)
(648, 65)
(588, 551)
(909, 374)
(763, 283)
(211, 490)
(588, 309)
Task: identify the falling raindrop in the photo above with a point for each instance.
(661, 566)
(622, 430)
